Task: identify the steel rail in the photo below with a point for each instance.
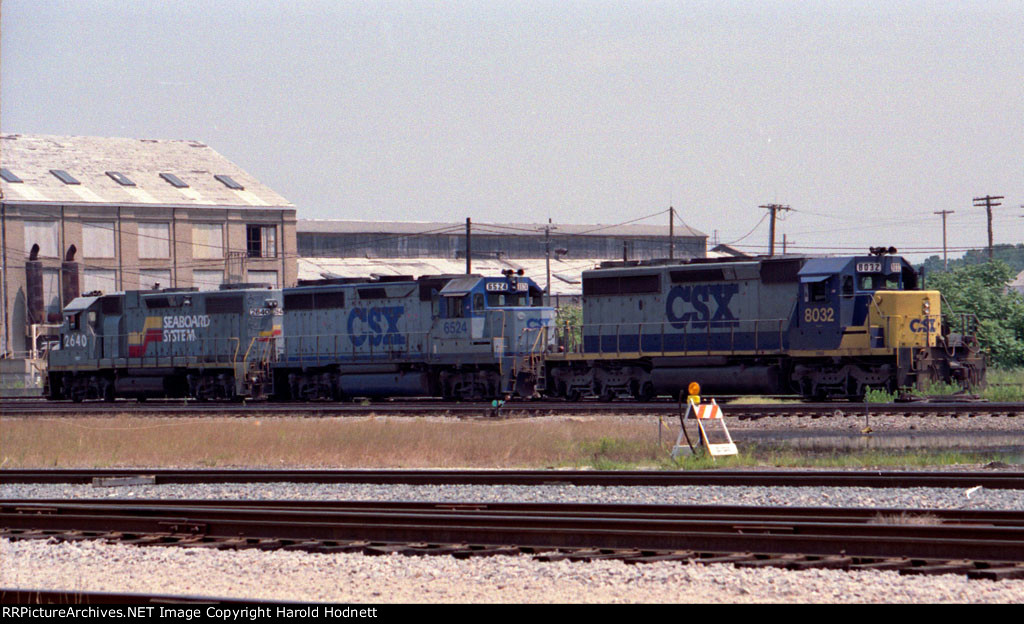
(19, 596)
(526, 409)
(723, 513)
(554, 529)
(793, 478)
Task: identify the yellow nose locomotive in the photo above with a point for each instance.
(821, 327)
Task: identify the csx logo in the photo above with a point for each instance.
(921, 326)
(689, 305)
(537, 323)
(365, 323)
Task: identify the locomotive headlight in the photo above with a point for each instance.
(926, 307)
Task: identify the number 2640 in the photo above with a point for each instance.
(819, 315)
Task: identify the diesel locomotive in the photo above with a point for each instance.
(456, 336)
(819, 327)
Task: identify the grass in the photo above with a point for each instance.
(759, 400)
(1005, 385)
(577, 442)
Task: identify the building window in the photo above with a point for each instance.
(44, 234)
(261, 241)
(154, 240)
(207, 280)
(262, 277)
(103, 280)
(98, 241)
(151, 279)
(207, 240)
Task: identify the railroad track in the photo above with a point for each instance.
(981, 544)
(525, 409)
(789, 478)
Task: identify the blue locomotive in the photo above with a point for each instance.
(820, 327)
(175, 342)
(455, 336)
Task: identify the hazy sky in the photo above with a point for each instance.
(864, 117)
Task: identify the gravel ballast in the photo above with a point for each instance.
(280, 575)
(930, 498)
(296, 576)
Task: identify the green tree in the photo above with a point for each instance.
(1012, 255)
(980, 289)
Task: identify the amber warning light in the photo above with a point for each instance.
(694, 390)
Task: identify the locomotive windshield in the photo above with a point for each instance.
(507, 300)
(878, 282)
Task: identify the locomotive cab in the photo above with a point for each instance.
(503, 317)
(854, 314)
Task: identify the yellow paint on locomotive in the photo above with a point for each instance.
(907, 318)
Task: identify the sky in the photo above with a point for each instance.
(865, 118)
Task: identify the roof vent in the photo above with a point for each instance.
(120, 178)
(64, 176)
(228, 182)
(173, 180)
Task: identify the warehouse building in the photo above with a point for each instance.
(552, 254)
(82, 214)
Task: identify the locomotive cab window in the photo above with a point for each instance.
(478, 301)
(455, 307)
(818, 291)
(506, 300)
(73, 321)
(848, 285)
(879, 282)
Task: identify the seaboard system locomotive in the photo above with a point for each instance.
(819, 327)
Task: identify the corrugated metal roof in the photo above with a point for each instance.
(565, 274)
(460, 286)
(88, 159)
(342, 226)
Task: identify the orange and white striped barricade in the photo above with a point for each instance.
(714, 434)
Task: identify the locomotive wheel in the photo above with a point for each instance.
(643, 392)
(573, 395)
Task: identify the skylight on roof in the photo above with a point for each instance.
(120, 178)
(230, 183)
(173, 180)
(10, 177)
(64, 176)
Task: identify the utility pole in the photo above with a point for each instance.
(945, 260)
(469, 249)
(547, 261)
(774, 208)
(988, 202)
(671, 233)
